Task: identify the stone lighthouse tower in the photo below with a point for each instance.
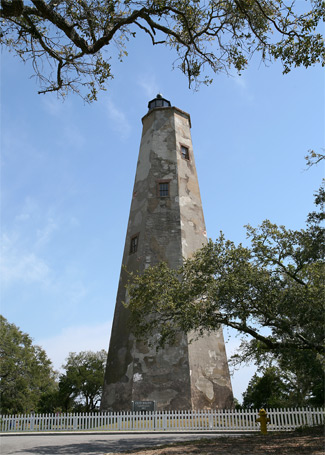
(166, 223)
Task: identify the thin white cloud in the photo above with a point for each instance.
(31, 220)
(27, 258)
(22, 246)
(76, 339)
(149, 85)
(240, 81)
(76, 292)
(29, 208)
(72, 135)
(243, 87)
(44, 234)
(118, 118)
(73, 222)
(53, 105)
(16, 266)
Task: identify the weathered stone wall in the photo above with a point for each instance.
(168, 228)
(209, 373)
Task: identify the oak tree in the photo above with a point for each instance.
(71, 42)
(80, 386)
(271, 291)
(287, 381)
(26, 373)
(266, 391)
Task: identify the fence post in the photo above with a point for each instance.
(164, 416)
(75, 422)
(309, 417)
(210, 420)
(32, 420)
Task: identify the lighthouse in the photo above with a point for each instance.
(166, 223)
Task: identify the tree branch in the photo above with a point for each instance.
(62, 24)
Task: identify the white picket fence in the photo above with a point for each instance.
(183, 421)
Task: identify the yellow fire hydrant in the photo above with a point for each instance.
(263, 420)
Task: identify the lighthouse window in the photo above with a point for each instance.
(164, 189)
(134, 244)
(185, 153)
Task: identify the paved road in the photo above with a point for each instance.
(87, 444)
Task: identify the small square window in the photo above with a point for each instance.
(185, 152)
(164, 189)
(134, 244)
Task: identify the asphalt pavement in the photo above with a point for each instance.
(88, 443)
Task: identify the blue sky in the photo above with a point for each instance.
(67, 173)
